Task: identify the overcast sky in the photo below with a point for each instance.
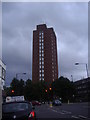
(70, 23)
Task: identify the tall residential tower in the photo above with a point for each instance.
(45, 65)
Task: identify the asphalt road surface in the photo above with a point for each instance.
(77, 111)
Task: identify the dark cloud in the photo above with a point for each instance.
(70, 22)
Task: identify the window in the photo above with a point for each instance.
(39, 37)
(40, 66)
(42, 44)
(43, 66)
(39, 51)
(40, 58)
(39, 44)
(42, 70)
(40, 47)
(42, 54)
(42, 62)
(43, 59)
(39, 33)
(43, 75)
(42, 51)
(53, 71)
(52, 66)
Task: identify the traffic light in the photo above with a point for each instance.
(45, 90)
(50, 88)
(12, 91)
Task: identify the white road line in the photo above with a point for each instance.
(66, 112)
(82, 117)
(61, 112)
(74, 117)
(56, 111)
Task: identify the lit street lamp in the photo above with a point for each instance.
(19, 73)
(86, 67)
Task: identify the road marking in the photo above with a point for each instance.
(75, 117)
(56, 111)
(61, 112)
(66, 112)
(82, 117)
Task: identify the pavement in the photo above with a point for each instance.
(77, 111)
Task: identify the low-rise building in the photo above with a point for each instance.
(82, 90)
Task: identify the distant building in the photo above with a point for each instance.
(45, 65)
(2, 74)
(2, 83)
(82, 90)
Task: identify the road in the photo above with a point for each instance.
(77, 111)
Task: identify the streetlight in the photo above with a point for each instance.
(86, 67)
(19, 73)
(72, 78)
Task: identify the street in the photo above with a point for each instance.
(73, 110)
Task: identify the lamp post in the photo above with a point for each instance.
(86, 67)
(19, 73)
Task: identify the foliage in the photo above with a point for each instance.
(62, 88)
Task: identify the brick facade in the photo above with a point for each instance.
(45, 65)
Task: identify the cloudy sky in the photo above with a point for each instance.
(70, 23)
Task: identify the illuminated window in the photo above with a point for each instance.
(43, 59)
(39, 44)
(40, 66)
(42, 70)
(40, 47)
(40, 58)
(42, 62)
(42, 54)
(43, 75)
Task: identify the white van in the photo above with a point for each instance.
(14, 98)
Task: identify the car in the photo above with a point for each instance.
(56, 102)
(34, 103)
(19, 110)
